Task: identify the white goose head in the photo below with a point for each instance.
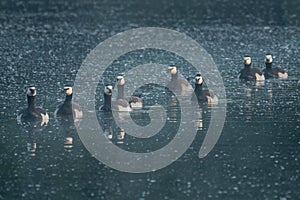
(269, 58)
(31, 91)
(247, 60)
(68, 90)
(172, 69)
(198, 79)
(108, 90)
(120, 80)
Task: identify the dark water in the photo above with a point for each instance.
(258, 153)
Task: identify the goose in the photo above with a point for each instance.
(67, 108)
(203, 95)
(177, 83)
(134, 101)
(250, 74)
(32, 113)
(273, 72)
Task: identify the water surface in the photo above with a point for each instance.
(257, 155)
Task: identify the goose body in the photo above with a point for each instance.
(32, 113)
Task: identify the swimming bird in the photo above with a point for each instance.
(203, 95)
(273, 72)
(177, 83)
(250, 74)
(32, 113)
(109, 105)
(67, 108)
(134, 101)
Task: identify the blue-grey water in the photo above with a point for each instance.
(258, 154)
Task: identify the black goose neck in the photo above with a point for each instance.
(31, 102)
(174, 76)
(120, 92)
(268, 65)
(247, 66)
(198, 87)
(107, 101)
(68, 98)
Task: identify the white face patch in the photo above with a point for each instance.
(269, 58)
(31, 91)
(120, 80)
(68, 90)
(173, 70)
(247, 60)
(199, 80)
(108, 89)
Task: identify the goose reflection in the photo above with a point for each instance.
(173, 110)
(248, 112)
(121, 136)
(31, 141)
(67, 130)
(270, 93)
(199, 121)
(270, 102)
(33, 130)
(106, 122)
(110, 128)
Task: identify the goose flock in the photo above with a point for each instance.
(129, 103)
